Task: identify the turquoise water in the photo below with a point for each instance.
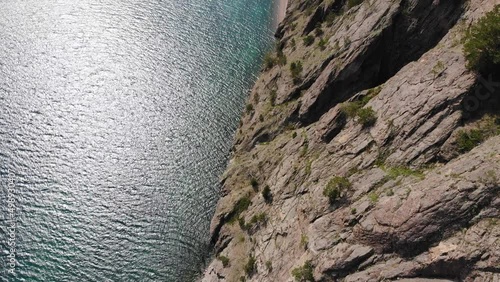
(116, 119)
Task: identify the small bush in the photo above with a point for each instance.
(281, 60)
(243, 225)
(373, 197)
(225, 260)
(259, 218)
(303, 273)
(395, 172)
(266, 194)
(296, 70)
(322, 44)
(240, 206)
(367, 117)
(335, 187)
(467, 140)
(269, 265)
(308, 40)
(269, 61)
(254, 183)
(304, 241)
(294, 134)
(330, 18)
(352, 3)
(482, 43)
(249, 108)
(272, 97)
(250, 266)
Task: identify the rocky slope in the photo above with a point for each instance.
(378, 108)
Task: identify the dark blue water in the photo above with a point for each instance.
(116, 118)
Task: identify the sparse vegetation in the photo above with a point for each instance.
(303, 273)
(395, 172)
(254, 183)
(269, 265)
(260, 218)
(250, 266)
(308, 40)
(240, 206)
(367, 117)
(249, 108)
(467, 140)
(266, 194)
(272, 97)
(296, 71)
(304, 241)
(269, 61)
(373, 197)
(335, 187)
(308, 167)
(482, 43)
(225, 260)
(322, 44)
(352, 3)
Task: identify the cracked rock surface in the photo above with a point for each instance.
(414, 207)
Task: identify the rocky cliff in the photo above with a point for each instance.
(368, 151)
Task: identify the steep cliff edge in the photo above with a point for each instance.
(354, 159)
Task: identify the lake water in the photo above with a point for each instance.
(116, 119)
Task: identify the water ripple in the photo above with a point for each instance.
(116, 118)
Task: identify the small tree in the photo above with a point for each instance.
(482, 42)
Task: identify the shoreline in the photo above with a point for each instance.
(280, 11)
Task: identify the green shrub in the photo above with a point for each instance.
(243, 225)
(395, 172)
(269, 61)
(303, 273)
(308, 40)
(240, 206)
(250, 266)
(249, 108)
(294, 134)
(281, 59)
(352, 3)
(482, 42)
(225, 260)
(296, 70)
(266, 194)
(322, 44)
(367, 117)
(467, 140)
(260, 218)
(373, 197)
(330, 18)
(335, 187)
(269, 265)
(304, 241)
(254, 183)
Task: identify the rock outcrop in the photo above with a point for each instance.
(373, 109)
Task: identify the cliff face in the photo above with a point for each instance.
(350, 163)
